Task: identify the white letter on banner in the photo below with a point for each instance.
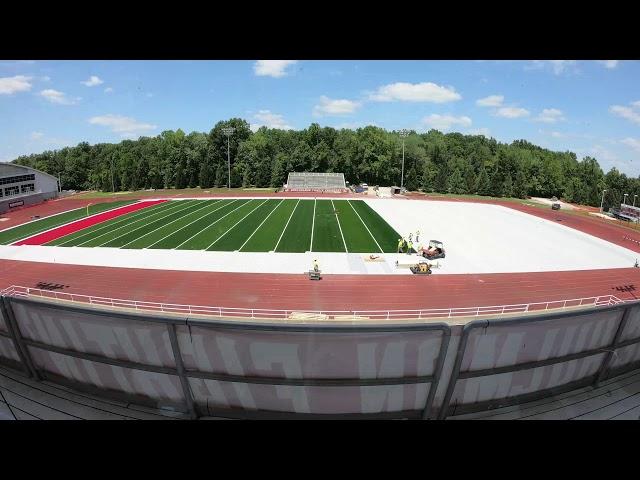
(374, 398)
(265, 355)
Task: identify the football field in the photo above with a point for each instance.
(245, 225)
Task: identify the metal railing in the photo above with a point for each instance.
(299, 314)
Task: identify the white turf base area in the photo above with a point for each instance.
(478, 238)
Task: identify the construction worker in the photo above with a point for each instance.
(410, 245)
(418, 236)
(400, 243)
(410, 236)
(316, 268)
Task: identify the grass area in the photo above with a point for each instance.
(37, 226)
(185, 192)
(250, 225)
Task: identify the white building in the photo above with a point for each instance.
(21, 186)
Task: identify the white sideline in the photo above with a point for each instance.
(141, 226)
(275, 249)
(212, 224)
(235, 225)
(144, 213)
(162, 226)
(313, 223)
(339, 226)
(365, 226)
(126, 225)
(262, 223)
(190, 223)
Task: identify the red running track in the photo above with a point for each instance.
(73, 227)
(333, 292)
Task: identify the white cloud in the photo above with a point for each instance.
(93, 81)
(480, 131)
(46, 78)
(415, 92)
(108, 90)
(125, 126)
(265, 118)
(490, 101)
(445, 122)
(609, 63)
(558, 135)
(629, 113)
(36, 135)
(272, 68)
(557, 66)
(328, 106)
(550, 115)
(511, 112)
(632, 142)
(54, 96)
(10, 85)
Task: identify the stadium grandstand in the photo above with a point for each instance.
(315, 182)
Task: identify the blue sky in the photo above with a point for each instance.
(589, 107)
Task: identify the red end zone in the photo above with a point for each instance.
(55, 233)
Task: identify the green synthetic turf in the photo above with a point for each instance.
(326, 231)
(356, 236)
(37, 226)
(176, 225)
(101, 239)
(252, 225)
(149, 227)
(122, 222)
(179, 237)
(386, 236)
(236, 237)
(297, 235)
(204, 239)
(267, 236)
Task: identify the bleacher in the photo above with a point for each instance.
(315, 182)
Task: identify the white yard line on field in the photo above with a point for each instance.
(247, 240)
(275, 249)
(212, 224)
(313, 223)
(162, 226)
(365, 226)
(236, 224)
(191, 223)
(340, 227)
(130, 231)
(144, 213)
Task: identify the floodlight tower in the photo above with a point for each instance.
(624, 200)
(228, 131)
(403, 134)
(634, 200)
(602, 202)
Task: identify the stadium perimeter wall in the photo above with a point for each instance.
(225, 367)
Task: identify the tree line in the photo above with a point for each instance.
(434, 162)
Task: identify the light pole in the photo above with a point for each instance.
(634, 200)
(403, 134)
(624, 200)
(602, 202)
(113, 187)
(228, 131)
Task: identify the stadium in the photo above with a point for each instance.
(307, 303)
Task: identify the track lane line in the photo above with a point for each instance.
(339, 226)
(247, 240)
(365, 226)
(236, 224)
(285, 227)
(212, 224)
